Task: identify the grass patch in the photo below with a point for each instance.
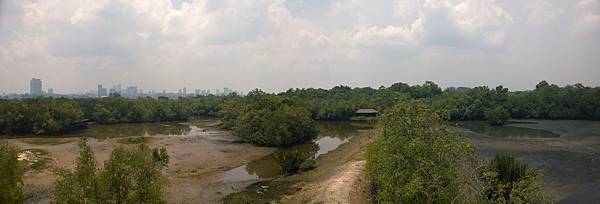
(132, 140)
(37, 159)
(46, 141)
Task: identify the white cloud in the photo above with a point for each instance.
(244, 44)
(588, 16)
(542, 12)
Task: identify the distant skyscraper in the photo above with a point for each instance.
(50, 91)
(184, 91)
(131, 92)
(35, 87)
(101, 92)
(226, 91)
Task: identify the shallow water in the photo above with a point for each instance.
(103, 131)
(567, 152)
(506, 131)
(331, 136)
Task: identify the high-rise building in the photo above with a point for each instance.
(35, 87)
(131, 92)
(184, 91)
(101, 92)
(50, 91)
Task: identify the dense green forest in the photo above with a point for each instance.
(546, 101)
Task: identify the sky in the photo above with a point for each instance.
(274, 45)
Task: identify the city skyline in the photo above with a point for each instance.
(275, 45)
(36, 90)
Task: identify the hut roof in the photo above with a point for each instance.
(367, 110)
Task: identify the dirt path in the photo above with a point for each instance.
(348, 185)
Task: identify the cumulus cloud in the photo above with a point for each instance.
(588, 16)
(270, 44)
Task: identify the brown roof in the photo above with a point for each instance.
(368, 110)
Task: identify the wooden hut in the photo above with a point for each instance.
(368, 112)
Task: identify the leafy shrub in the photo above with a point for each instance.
(309, 164)
(506, 180)
(130, 175)
(267, 120)
(161, 156)
(497, 116)
(414, 158)
(11, 172)
(290, 161)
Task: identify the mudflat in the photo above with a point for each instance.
(197, 162)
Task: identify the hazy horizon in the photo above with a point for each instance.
(275, 45)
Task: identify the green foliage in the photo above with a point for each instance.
(497, 116)
(161, 155)
(11, 171)
(547, 101)
(414, 158)
(267, 120)
(38, 116)
(38, 159)
(133, 176)
(507, 181)
(81, 185)
(308, 164)
(132, 140)
(291, 161)
(130, 175)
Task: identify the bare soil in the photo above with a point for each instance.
(348, 184)
(340, 170)
(197, 162)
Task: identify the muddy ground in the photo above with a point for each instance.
(197, 161)
(570, 162)
(336, 170)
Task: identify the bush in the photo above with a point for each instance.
(267, 120)
(11, 171)
(309, 164)
(130, 175)
(290, 161)
(414, 158)
(497, 116)
(505, 180)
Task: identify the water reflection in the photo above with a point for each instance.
(504, 131)
(331, 136)
(137, 129)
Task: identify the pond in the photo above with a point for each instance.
(105, 131)
(506, 131)
(331, 136)
(566, 151)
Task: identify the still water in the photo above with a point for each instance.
(506, 131)
(331, 136)
(566, 151)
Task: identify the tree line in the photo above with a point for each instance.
(546, 101)
(59, 115)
